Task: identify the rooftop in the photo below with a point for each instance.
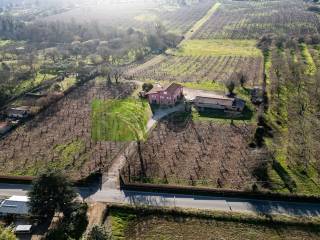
(15, 205)
(170, 88)
(191, 94)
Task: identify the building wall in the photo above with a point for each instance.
(164, 98)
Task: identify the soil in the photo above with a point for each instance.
(198, 153)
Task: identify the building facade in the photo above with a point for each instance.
(165, 96)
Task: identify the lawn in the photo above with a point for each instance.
(144, 224)
(218, 47)
(119, 120)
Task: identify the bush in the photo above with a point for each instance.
(258, 136)
(7, 234)
(147, 87)
(73, 225)
(99, 233)
(76, 220)
(50, 192)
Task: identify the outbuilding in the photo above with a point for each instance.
(15, 205)
(222, 103)
(18, 112)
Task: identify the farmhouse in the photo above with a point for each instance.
(223, 103)
(166, 96)
(15, 205)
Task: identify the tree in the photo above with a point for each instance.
(230, 85)
(98, 233)
(242, 79)
(106, 72)
(147, 87)
(117, 74)
(7, 234)
(50, 192)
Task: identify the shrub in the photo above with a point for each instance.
(99, 233)
(147, 87)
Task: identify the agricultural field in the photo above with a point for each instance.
(119, 120)
(60, 136)
(139, 14)
(186, 151)
(206, 61)
(134, 224)
(253, 19)
(293, 113)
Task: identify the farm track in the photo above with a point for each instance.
(158, 59)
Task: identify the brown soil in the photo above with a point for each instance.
(200, 153)
(47, 140)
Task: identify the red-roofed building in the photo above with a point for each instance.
(167, 96)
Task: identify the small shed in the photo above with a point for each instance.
(23, 229)
(16, 205)
(18, 112)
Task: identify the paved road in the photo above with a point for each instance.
(183, 201)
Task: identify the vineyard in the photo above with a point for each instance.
(140, 14)
(293, 85)
(60, 137)
(199, 61)
(182, 151)
(253, 19)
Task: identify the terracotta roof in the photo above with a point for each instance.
(170, 88)
(173, 87)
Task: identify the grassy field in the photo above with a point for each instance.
(119, 120)
(141, 224)
(218, 47)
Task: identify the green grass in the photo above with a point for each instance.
(205, 85)
(119, 222)
(3, 43)
(119, 120)
(219, 48)
(28, 84)
(311, 66)
(66, 153)
(167, 223)
(67, 83)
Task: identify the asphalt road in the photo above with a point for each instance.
(183, 201)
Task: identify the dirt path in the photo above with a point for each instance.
(200, 23)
